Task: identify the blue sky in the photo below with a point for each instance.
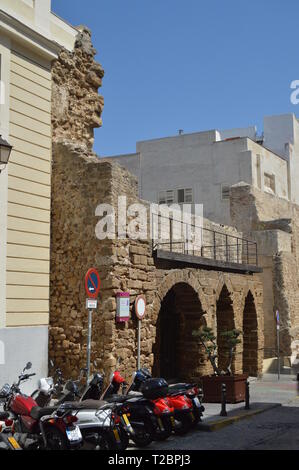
(191, 65)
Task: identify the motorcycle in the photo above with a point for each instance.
(7, 440)
(161, 424)
(40, 428)
(103, 425)
(185, 399)
(194, 393)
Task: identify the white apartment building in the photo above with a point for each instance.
(201, 167)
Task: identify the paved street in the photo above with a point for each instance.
(277, 428)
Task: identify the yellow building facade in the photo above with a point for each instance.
(31, 37)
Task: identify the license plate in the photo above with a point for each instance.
(13, 443)
(192, 417)
(116, 435)
(172, 421)
(197, 402)
(74, 434)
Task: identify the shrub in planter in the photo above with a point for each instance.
(235, 383)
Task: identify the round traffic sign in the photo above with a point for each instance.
(92, 283)
(140, 305)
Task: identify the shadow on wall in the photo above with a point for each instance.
(177, 354)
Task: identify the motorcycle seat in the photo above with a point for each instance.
(180, 386)
(134, 394)
(37, 412)
(117, 399)
(85, 404)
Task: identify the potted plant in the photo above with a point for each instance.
(212, 384)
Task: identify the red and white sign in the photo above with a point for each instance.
(92, 283)
(140, 306)
(122, 307)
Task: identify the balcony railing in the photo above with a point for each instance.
(177, 236)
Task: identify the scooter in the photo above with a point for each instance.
(182, 397)
(40, 428)
(152, 396)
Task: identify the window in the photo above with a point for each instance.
(225, 191)
(185, 196)
(269, 182)
(180, 196)
(166, 197)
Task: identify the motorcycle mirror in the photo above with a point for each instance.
(28, 366)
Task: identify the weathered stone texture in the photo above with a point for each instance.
(79, 184)
(274, 223)
(76, 105)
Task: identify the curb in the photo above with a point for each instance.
(222, 422)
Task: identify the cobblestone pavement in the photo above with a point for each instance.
(274, 429)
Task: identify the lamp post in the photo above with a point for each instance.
(5, 150)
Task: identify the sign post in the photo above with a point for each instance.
(278, 344)
(140, 304)
(92, 288)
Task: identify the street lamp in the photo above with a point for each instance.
(5, 150)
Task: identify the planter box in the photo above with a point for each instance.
(235, 388)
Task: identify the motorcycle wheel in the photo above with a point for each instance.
(142, 438)
(185, 424)
(197, 418)
(107, 441)
(163, 435)
(56, 440)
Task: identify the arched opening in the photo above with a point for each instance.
(225, 322)
(250, 337)
(177, 354)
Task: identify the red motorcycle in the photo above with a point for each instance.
(155, 393)
(184, 399)
(49, 428)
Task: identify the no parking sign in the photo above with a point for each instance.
(92, 283)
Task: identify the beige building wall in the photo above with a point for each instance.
(29, 191)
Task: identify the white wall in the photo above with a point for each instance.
(238, 132)
(264, 161)
(197, 161)
(281, 134)
(205, 162)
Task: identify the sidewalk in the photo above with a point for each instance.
(265, 394)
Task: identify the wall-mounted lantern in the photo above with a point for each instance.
(5, 150)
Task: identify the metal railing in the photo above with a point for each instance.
(178, 236)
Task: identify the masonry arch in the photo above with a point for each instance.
(225, 319)
(177, 354)
(250, 337)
